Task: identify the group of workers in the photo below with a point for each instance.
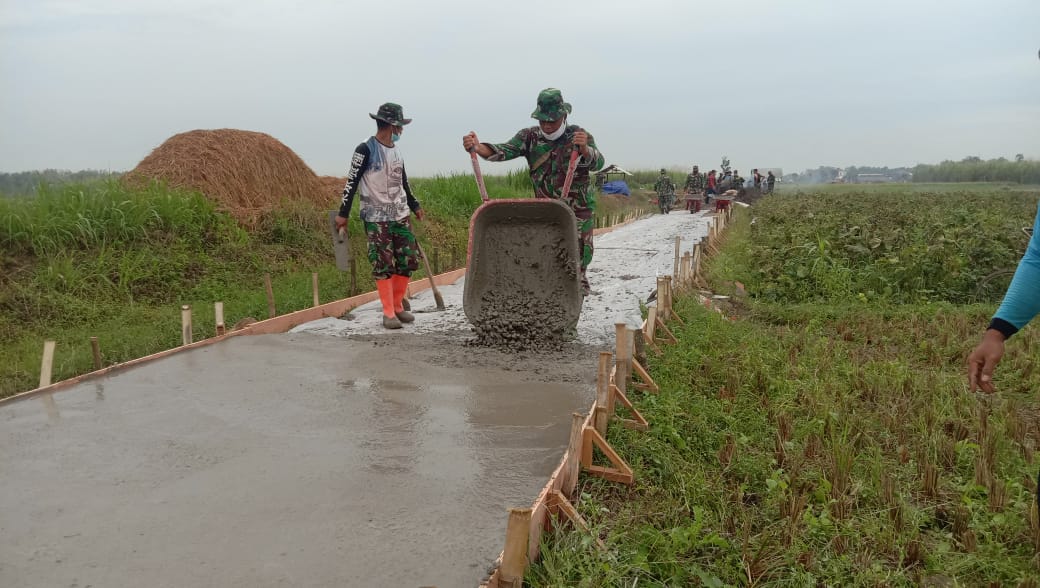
(706, 186)
(387, 202)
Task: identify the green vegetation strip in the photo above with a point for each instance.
(831, 443)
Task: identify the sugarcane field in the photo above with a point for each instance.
(595, 333)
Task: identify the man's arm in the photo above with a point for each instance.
(413, 204)
(511, 149)
(1022, 301)
(1021, 304)
(358, 165)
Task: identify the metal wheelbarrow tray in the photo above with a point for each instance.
(523, 275)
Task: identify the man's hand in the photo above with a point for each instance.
(470, 141)
(581, 141)
(420, 214)
(341, 223)
(983, 359)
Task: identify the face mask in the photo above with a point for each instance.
(556, 134)
(395, 137)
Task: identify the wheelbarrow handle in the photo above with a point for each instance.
(476, 172)
(571, 166)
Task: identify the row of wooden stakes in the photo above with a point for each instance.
(618, 375)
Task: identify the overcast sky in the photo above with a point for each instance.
(791, 84)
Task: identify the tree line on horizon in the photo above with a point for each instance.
(25, 183)
(970, 169)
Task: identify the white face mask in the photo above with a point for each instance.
(555, 134)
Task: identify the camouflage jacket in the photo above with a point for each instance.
(664, 186)
(547, 162)
(695, 182)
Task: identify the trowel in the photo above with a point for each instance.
(340, 245)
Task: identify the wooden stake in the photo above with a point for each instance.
(514, 556)
(638, 344)
(314, 288)
(186, 331)
(564, 509)
(270, 296)
(602, 392)
(47, 364)
(638, 422)
(648, 383)
(621, 472)
(697, 260)
(651, 323)
(96, 350)
(670, 336)
(218, 316)
(675, 265)
(662, 293)
(621, 358)
(570, 482)
(671, 300)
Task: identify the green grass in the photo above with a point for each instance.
(100, 259)
(823, 443)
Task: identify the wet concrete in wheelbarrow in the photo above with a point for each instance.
(523, 287)
(290, 459)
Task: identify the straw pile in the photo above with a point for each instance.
(247, 174)
(332, 187)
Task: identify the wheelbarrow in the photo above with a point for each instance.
(523, 264)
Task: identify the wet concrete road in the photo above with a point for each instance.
(295, 460)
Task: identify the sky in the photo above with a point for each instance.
(98, 84)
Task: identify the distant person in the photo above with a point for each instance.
(1020, 305)
(770, 182)
(756, 178)
(377, 167)
(547, 148)
(694, 188)
(726, 182)
(711, 187)
(665, 189)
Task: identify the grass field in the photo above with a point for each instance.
(821, 437)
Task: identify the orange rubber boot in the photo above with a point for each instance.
(386, 296)
(400, 289)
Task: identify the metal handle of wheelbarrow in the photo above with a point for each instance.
(571, 166)
(476, 172)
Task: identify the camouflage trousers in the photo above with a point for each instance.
(391, 248)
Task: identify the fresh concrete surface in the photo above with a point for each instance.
(285, 460)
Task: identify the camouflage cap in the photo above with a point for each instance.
(551, 105)
(664, 171)
(391, 113)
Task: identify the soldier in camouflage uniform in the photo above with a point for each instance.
(665, 189)
(547, 148)
(694, 188)
(377, 167)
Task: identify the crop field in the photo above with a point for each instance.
(822, 433)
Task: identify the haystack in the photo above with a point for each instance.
(247, 174)
(332, 187)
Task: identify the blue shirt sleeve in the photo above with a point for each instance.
(1022, 301)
